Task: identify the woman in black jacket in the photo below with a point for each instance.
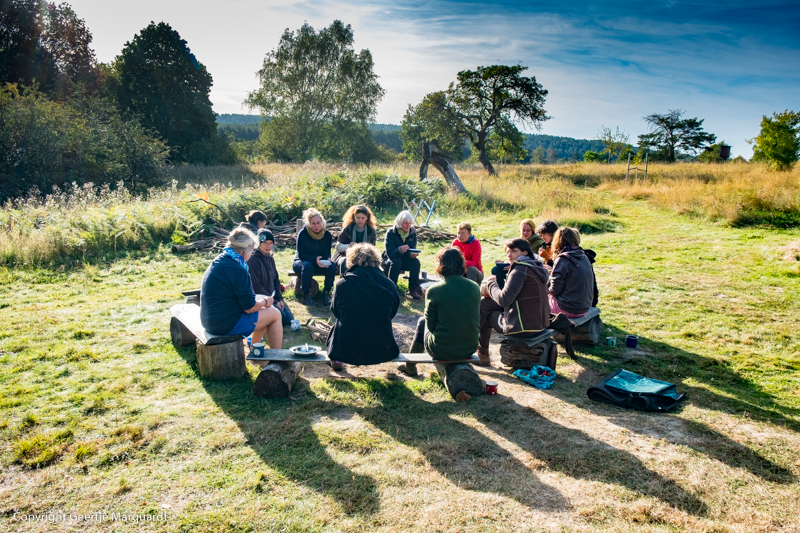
(358, 225)
(572, 287)
(396, 256)
(313, 257)
(264, 274)
(364, 304)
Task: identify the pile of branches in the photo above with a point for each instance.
(286, 235)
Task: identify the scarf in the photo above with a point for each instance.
(471, 238)
(403, 234)
(356, 233)
(316, 236)
(238, 258)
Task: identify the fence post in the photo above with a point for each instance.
(629, 168)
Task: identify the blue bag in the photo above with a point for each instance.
(541, 377)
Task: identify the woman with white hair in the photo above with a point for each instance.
(313, 257)
(396, 256)
(228, 305)
(364, 304)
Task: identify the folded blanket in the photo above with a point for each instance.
(627, 389)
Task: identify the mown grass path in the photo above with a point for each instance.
(101, 414)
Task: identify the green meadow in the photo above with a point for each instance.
(100, 413)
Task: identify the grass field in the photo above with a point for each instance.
(101, 414)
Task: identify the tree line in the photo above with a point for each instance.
(65, 117)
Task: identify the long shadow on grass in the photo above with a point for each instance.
(462, 454)
(282, 435)
(662, 361)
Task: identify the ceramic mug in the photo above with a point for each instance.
(612, 341)
(294, 324)
(631, 341)
(258, 349)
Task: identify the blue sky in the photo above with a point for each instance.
(604, 64)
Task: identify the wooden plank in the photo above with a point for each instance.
(322, 357)
(193, 292)
(593, 312)
(529, 341)
(189, 315)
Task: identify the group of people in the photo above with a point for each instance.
(546, 274)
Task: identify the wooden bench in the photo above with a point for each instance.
(218, 356)
(280, 369)
(588, 328)
(519, 352)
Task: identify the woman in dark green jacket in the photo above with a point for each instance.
(449, 329)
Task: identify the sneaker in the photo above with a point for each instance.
(326, 298)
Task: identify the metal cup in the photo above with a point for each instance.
(612, 341)
(258, 349)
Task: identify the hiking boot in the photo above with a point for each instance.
(307, 300)
(326, 298)
(415, 292)
(337, 366)
(409, 369)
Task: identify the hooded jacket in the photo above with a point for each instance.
(572, 281)
(364, 303)
(524, 297)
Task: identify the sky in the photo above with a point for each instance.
(604, 64)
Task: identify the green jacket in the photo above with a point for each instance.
(453, 318)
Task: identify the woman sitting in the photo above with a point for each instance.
(572, 286)
(526, 231)
(396, 257)
(358, 225)
(546, 231)
(228, 305)
(364, 304)
(471, 249)
(313, 257)
(449, 329)
(255, 220)
(520, 308)
(264, 274)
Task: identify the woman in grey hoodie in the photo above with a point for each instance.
(572, 286)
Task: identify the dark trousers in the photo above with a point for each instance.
(492, 319)
(307, 270)
(500, 274)
(286, 315)
(409, 264)
(421, 333)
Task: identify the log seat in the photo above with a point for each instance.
(588, 328)
(218, 356)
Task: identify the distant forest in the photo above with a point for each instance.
(246, 128)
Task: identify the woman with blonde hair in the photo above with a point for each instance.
(313, 257)
(358, 225)
(397, 254)
(228, 305)
(571, 289)
(364, 304)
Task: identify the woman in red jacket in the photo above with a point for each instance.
(471, 249)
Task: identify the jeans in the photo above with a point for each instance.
(308, 270)
(409, 264)
(286, 315)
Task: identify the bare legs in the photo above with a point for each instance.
(269, 322)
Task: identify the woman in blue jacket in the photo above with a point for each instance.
(228, 305)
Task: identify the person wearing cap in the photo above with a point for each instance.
(228, 305)
(264, 273)
(358, 226)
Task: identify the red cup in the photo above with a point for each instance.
(491, 387)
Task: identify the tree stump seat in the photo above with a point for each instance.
(218, 356)
(588, 329)
(280, 369)
(518, 352)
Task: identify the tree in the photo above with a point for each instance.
(430, 121)
(592, 157)
(552, 156)
(669, 133)
(159, 81)
(320, 89)
(489, 99)
(712, 154)
(47, 45)
(613, 141)
(778, 143)
(538, 155)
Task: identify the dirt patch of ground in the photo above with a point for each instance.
(792, 251)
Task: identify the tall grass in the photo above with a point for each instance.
(738, 194)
